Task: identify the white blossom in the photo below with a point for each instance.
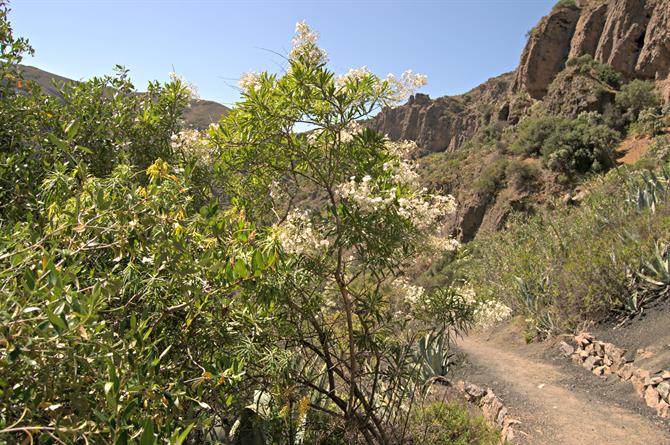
(404, 86)
(249, 82)
(410, 293)
(305, 45)
(193, 142)
(363, 194)
(401, 149)
(353, 75)
(443, 243)
(402, 172)
(191, 89)
(425, 210)
(347, 132)
(488, 313)
(298, 236)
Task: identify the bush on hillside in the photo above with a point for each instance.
(636, 96)
(443, 423)
(603, 72)
(572, 264)
(521, 175)
(569, 146)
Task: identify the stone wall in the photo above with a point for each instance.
(606, 359)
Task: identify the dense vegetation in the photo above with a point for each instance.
(160, 285)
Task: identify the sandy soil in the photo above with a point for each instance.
(557, 402)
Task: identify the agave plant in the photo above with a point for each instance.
(539, 319)
(434, 356)
(652, 190)
(656, 270)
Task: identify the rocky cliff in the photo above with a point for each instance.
(631, 36)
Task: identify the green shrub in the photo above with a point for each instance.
(571, 264)
(451, 424)
(636, 96)
(521, 174)
(565, 4)
(492, 177)
(569, 146)
(603, 72)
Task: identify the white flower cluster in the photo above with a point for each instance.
(404, 86)
(424, 210)
(191, 89)
(402, 172)
(421, 208)
(305, 46)
(298, 236)
(363, 194)
(410, 293)
(353, 75)
(350, 130)
(488, 313)
(193, 143)
(185, 137)
(401, 149)
(443, 243)
(249, 82)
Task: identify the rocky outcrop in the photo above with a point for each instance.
(447, 122)
(623, 36)
(654, 59)
(633, 36)
(605, 359)
(546, 51)
(588, 31)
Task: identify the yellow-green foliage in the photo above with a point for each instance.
(563, 266)
(451, 424)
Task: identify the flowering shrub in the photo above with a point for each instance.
(343, 315)
(163, 285)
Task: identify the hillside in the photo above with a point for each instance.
(198, 115)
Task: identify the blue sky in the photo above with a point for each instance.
(457, 43)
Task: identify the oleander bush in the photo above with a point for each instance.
(162, 285)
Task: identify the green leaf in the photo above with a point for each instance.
(55, 320)
(147, 437)
(240, 269)
(71, 129)
(181, 437)
(29, 280)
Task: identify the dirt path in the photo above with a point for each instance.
(558, 405)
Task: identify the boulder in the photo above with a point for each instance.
(651, 397)
(663, 389)
(591, 362)
(566, 349)
(626, 371)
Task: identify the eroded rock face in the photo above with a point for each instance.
(623, 36)
(588, 31)
(546, 52)
(447, 122)
(633, 36)
(654, 59)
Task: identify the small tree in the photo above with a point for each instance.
(346, 319)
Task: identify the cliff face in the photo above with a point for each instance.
(447, 122)
(632, 36)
